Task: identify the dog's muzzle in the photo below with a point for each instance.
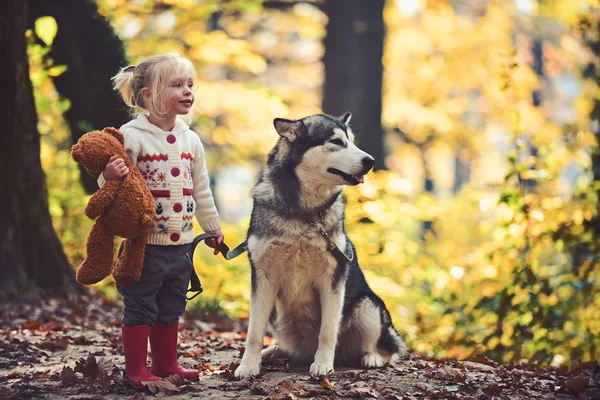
(355, 179)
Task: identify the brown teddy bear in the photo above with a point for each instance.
(123, 208)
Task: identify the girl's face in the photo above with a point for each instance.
(179, 96)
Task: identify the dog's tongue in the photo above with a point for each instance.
(358, 178)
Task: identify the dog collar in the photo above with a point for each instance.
(335, 251)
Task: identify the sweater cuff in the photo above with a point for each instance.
(101, 181)
(211, 225)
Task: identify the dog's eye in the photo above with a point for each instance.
(337, 142)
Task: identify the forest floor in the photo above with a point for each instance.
(70, 349)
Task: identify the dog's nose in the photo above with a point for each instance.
(368, 162)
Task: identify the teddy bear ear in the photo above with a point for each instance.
(116, 133)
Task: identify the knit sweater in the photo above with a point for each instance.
(174, 167)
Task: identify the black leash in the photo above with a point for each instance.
(195, 285)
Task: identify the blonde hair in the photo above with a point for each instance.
(155, 73)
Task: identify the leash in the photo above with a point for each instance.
(335, 251)
(195, 285)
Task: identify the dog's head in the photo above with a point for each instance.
(322, 150)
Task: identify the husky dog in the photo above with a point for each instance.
(317, 301)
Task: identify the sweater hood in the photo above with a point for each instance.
(142, 123)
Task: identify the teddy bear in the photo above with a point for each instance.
(124, 208)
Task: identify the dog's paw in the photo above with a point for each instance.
(372, 360)
(272, 352)
(321, 369)
(246, 371)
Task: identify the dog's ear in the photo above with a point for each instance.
(289, 129)
(346, 118)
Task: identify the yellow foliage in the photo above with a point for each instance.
(496, 272)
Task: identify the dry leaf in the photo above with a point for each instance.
(67, 375)
(325, 384)
(287, 384)
(578, 384)
(54, 343)
(31, 324)
(107, 372)
(362, 392)
(193, 353)
(492, 390)
(88, 367)
(229, 370)
(160, 386)
(176, 380)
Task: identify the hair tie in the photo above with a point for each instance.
(129, 68)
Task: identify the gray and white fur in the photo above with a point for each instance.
(320, 309)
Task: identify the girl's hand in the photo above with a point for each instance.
(215, 242)
(115, 169)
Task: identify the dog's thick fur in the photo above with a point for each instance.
(319, 308)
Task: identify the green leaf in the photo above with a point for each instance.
(452, 388)
(57, 70)
(45, 29)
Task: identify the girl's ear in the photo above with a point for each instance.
(145, 94)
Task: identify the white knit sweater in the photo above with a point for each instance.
(174, 167)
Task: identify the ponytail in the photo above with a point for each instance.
(124, 83)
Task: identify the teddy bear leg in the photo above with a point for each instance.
(129, 267)
(99, 256)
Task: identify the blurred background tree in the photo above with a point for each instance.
(32, 260)
(479, 228)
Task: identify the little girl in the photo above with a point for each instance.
(171, 158)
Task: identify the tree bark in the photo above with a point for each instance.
(93, 53)
(354, 69)
(32, 262)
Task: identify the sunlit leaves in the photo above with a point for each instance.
(45, 29)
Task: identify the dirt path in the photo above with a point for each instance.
(71, 350)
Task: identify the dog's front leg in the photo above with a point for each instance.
(332, 300)
(261, 305)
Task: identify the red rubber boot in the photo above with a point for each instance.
(135, 348)
(163, 341)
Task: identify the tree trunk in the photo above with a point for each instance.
(354, 69)
(462, 171)
(93, 53)
(32, 262)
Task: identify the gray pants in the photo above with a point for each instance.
(159, 295)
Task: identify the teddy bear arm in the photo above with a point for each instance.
(102, 199)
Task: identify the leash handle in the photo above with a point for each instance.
(195, 285)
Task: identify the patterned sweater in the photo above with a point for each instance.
(174, 167)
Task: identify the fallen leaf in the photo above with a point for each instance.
(325, 384)
(31, 324)
(88, 367)
(54, 343)
(492, 390)
(229, 370)
(578, 384)
(67, 375)
(287, 384)
(176, 380)
(363, 393)
(451, 388)
(107, 372)
(160, 386)
(193, 353)
(446, 373)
